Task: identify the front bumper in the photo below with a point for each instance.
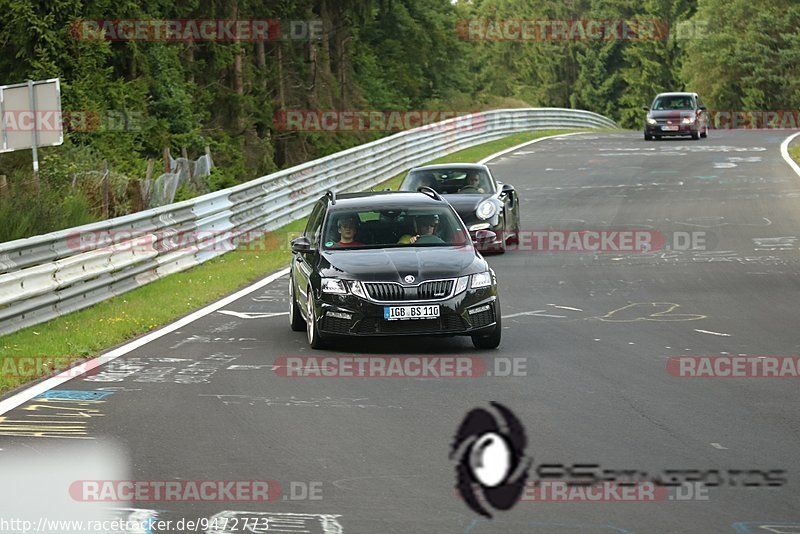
(366, 318)
(657, 130)
(499, 229)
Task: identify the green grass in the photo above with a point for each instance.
(89, 332)
(794, 151)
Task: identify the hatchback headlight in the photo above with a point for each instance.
(461, 285)
(333, 286)
(651, 120)
(687, 120)
(486, 210)
(481, 280)
(358, 289)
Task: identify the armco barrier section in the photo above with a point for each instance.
(50, 275)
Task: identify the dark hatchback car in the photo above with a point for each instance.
(482, 202)
(674, 114)
(387, 264)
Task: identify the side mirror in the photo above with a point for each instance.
(703, 108)
(507, 188)
(484, 236)
(301, 245)
(646, 108)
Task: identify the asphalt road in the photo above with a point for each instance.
(595, 331)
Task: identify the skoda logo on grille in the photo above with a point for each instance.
(409, 279)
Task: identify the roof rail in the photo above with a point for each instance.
(331, 194)
(431, 192)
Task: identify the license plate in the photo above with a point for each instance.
(397, 313)
(669, 128)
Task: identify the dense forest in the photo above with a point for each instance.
(145, 95)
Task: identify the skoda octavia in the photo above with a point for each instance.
(391, 264)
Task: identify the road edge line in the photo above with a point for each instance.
(37, 389)
(526, 143)
(785, 153)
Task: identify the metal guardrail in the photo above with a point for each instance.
(50, 275)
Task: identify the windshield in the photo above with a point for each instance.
(393, 227)
(450, 181)
(665, 103)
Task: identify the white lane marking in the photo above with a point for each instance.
(46, 385)
(712, 333)
(564, 307)
(536, 313)
(785, 153)
(252, 315)
(522, 313)
(718, 446)
(526, 143)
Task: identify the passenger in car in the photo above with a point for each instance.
(348, 228)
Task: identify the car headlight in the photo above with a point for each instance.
(687, 120)
(358, 289)
(461, 285)
(481, 280)
(333, 286)
(486, 210)
(651, 120)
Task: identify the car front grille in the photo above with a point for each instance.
(393, 292)
(444, 324)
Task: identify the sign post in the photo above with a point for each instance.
(30, 117)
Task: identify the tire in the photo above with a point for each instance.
(296, 321)
(490, 341)
(696, 135)
(315, 339)
(648, 137)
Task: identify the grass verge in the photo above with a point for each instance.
(89, 332)
(794, 152)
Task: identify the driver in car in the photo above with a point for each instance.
(425, 226)
(473, 183)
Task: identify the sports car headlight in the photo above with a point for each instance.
(481, 280)
(334, 286)
(461, 284)
(651, 120)
(358, 289)
(486, 210)
(687, 120)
